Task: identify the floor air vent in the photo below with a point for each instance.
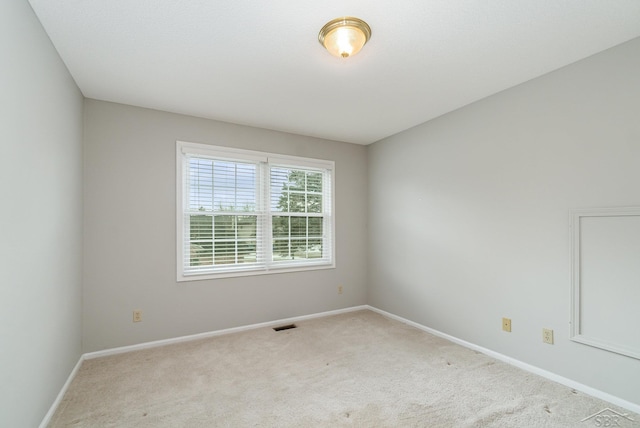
(284, 327)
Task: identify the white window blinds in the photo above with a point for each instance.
(242, 212)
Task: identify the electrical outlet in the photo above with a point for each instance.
(339, 289)
(137, 315)
(506, 324)
(547, 336)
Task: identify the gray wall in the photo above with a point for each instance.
(130, 236)
(468, 213)
(40, 219)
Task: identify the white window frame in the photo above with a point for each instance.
(266, 161)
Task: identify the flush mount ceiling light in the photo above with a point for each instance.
(344, 37)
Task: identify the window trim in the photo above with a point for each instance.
(270, 159)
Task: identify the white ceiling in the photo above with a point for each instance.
(259, 63)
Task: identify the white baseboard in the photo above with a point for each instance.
(517, 363)
(208, 334)
(47, 418)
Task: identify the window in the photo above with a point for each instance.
(241, 212)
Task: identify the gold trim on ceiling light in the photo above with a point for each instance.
(344, 37)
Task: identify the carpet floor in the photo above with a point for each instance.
(357, 369)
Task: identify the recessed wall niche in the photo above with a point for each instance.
(606, 279)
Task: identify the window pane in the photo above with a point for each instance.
(247, 227)
(280, 202)
(279, 193)
(200, 181)
(305, 241)
(246, 187)
(288, 190)
(245, 201)
(225, 253)
(279, 176)
(314, 249)
(299, 248)
(234, 186)
(281, 249)
(299, 226)
(200, 227)
(297, 180)
(224, 200)
(297, 202)
(201, 254)
(315, 226)
(224, 227)
(296, 191)
(280, 226)
(247, 252)
(314, 182)
(314, 203)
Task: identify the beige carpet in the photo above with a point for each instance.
(358, 369)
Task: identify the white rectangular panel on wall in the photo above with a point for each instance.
(606, 279)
